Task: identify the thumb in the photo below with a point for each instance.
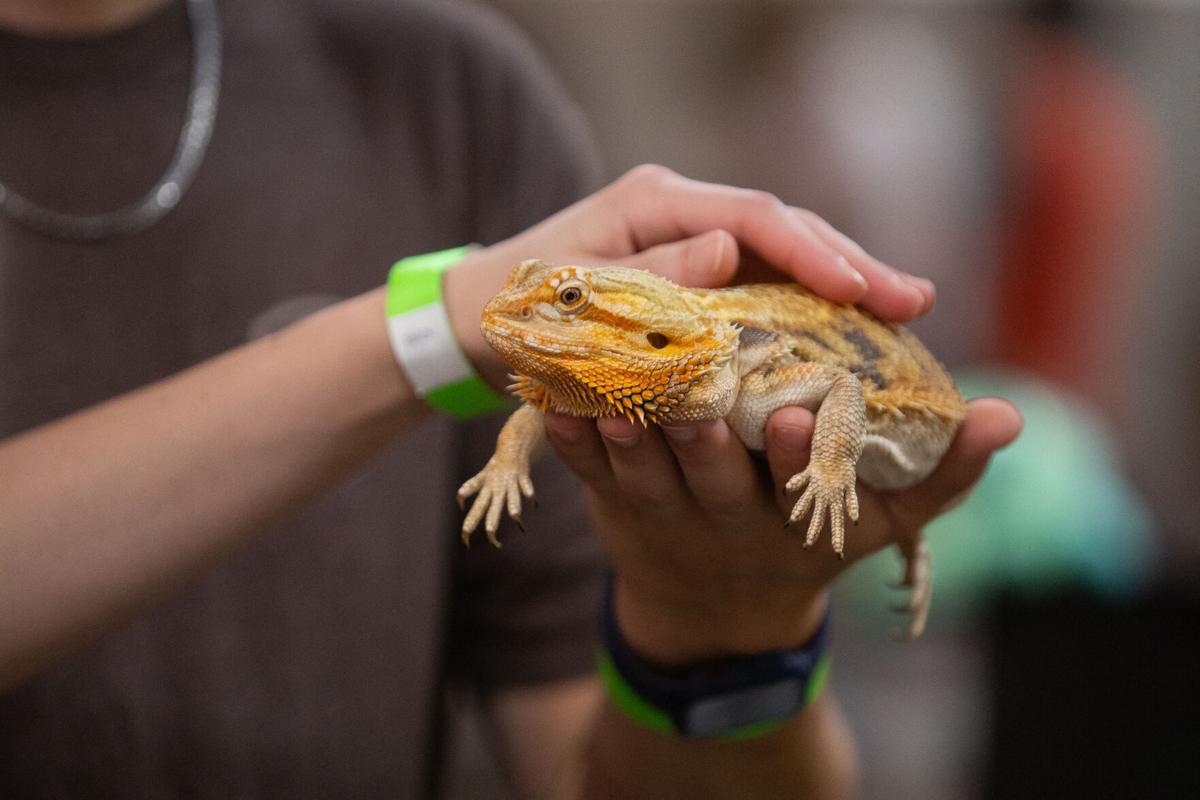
(705, 260)
(991, 424)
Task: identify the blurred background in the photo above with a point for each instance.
(1038, 161)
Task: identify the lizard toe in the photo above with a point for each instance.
(526, 484)
(852, 504)
(837, 523)
(918, 580)
(478, 507)
(801, 508)
(818, 520)
(495, 508)
(797, 481)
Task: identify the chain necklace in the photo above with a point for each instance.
(189, 152)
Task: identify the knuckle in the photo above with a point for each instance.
(809, 217)
(763, 202)
(648, 176)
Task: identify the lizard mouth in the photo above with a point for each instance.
(507, 336)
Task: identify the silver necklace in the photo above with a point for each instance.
(189, 152)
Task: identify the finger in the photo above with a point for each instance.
(991, 424)
(788, 438)
(659, 206)
(644, 469)
(891, 294)
(578, 444)
(709, 259)
(715, 465)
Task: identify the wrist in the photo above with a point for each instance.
(466, 289)
(699, 624)
(424, 341)
(733, 696)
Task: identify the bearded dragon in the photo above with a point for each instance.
(604, 341)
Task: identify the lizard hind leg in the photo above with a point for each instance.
(828, 482)
(918, 580)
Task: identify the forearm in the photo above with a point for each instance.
(106, 510)
(566, 741)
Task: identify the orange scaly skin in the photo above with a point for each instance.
(608, 341)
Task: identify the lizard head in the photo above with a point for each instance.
(601, 341)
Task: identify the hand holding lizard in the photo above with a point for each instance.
(703, 567)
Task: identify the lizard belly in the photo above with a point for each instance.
(885, 465)
(752, 406)
(898, 453)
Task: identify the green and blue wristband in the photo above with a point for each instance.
(733, 698)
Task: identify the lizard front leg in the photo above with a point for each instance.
(837, 396)
(505, 477)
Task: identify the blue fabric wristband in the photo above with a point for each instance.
(737, 697)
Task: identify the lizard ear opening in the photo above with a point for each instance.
(657, 340)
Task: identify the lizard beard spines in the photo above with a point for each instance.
(649, 389)
(530, 391)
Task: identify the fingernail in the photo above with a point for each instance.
(926, 288)
(623, 441)
(905, 281)
(854, 274)
(716, 268)
(619, 431)
(680, 433)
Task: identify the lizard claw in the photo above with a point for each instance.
(824, 494)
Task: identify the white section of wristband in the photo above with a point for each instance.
(424, 344)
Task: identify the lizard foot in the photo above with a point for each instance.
(825, 491)
(918, 580)
(500, 486)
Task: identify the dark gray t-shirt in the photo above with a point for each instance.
(348, 134)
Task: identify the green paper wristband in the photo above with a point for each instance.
(424, 343)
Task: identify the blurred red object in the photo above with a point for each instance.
(1074, 244)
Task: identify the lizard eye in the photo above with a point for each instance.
(571, 296)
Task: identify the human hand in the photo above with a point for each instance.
(694, 233)
(703, 564)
